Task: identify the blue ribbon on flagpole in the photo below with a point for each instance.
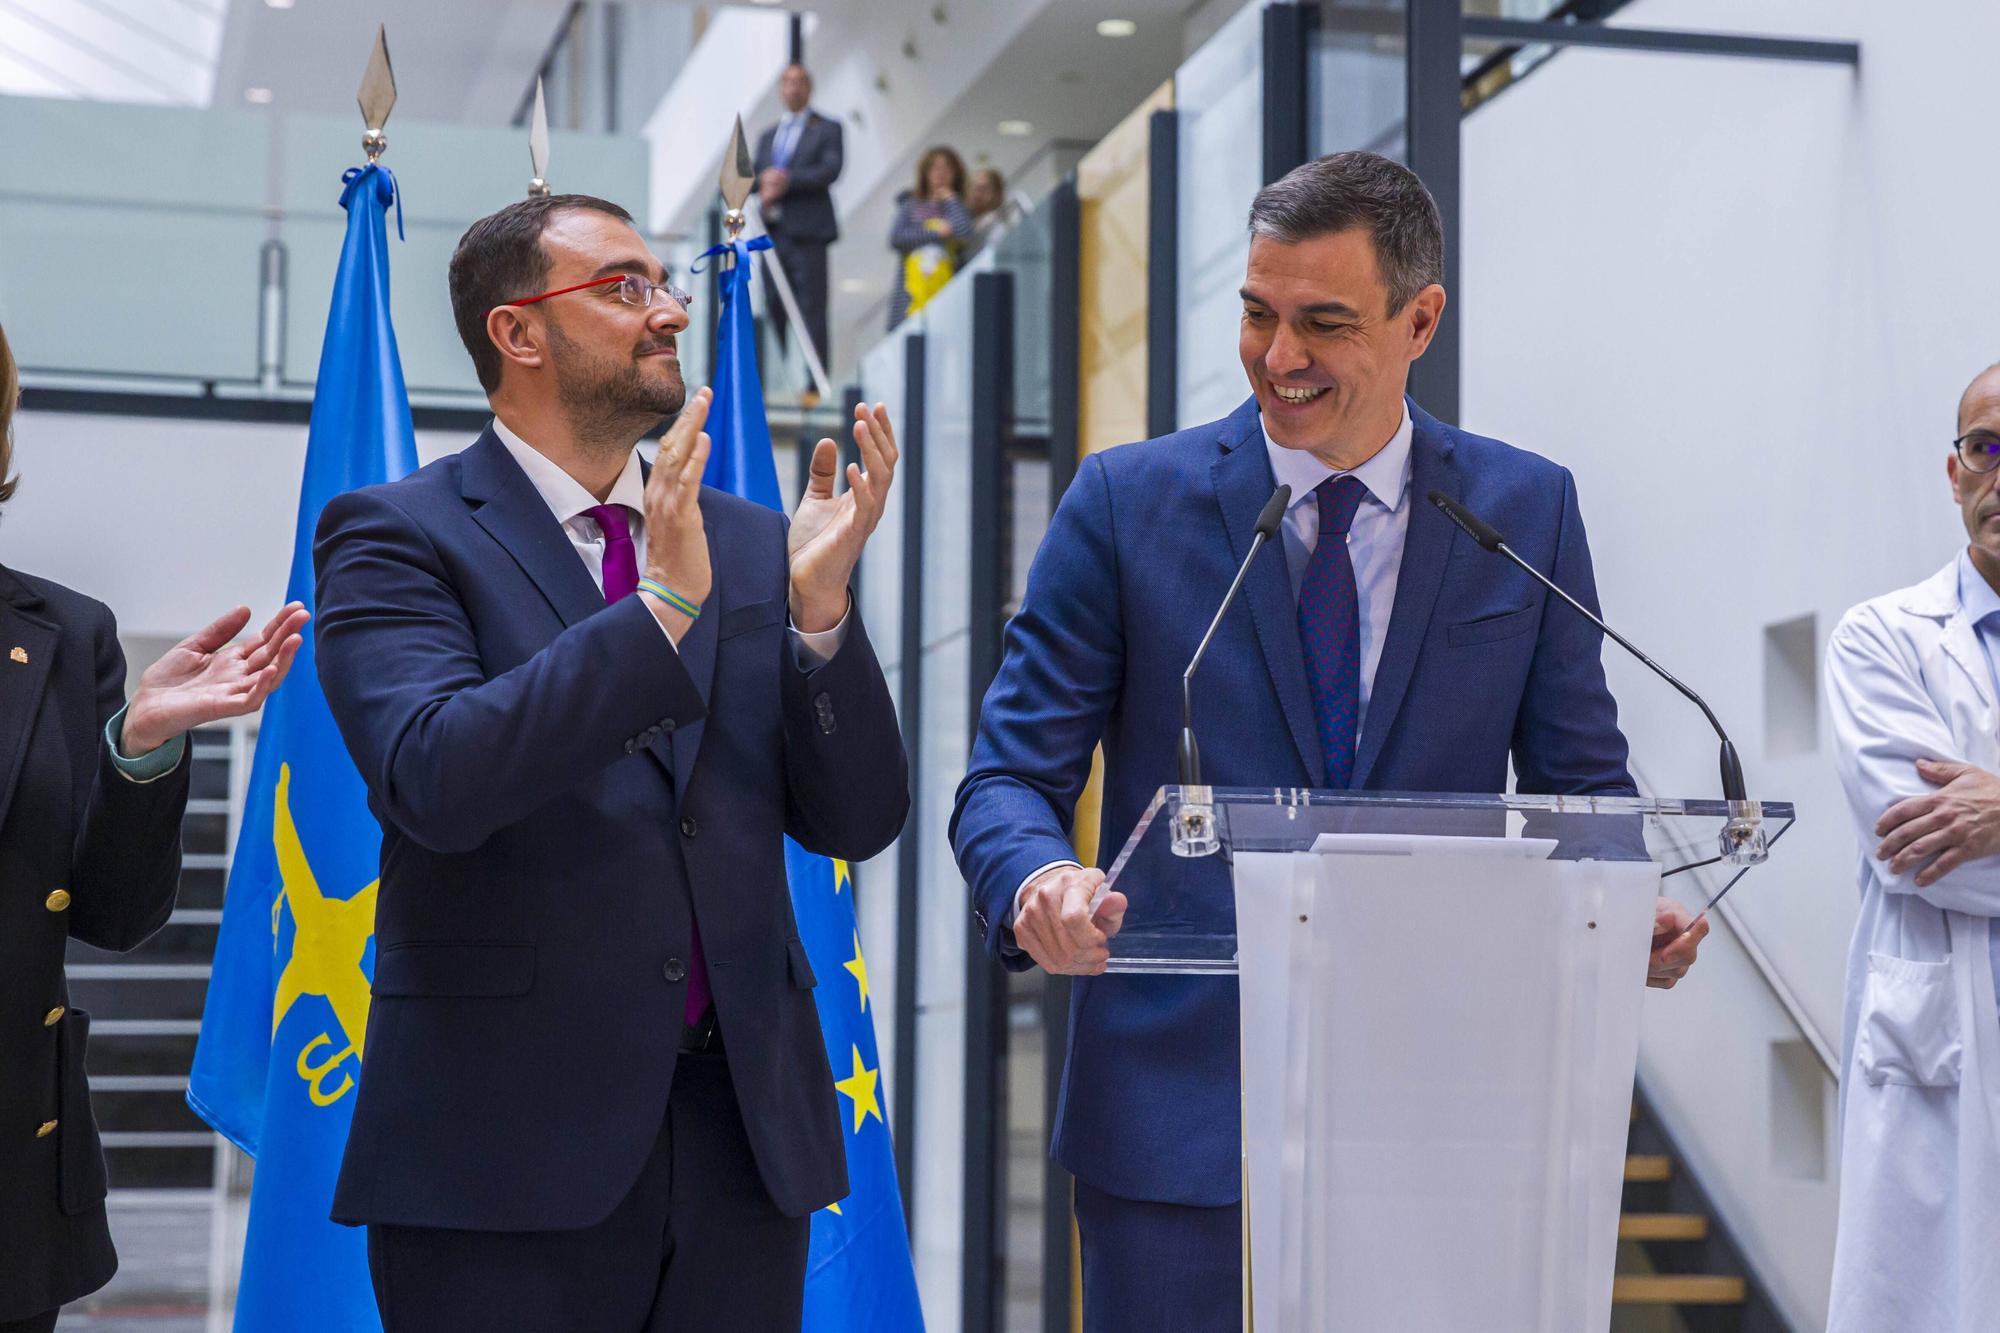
(354, 176)
(741, 249)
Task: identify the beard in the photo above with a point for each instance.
(609, 399)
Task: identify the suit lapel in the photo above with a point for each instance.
(1425, 546)
(22, 635)
(1243, 484)
(509, 507)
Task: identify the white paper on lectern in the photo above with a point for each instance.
(1438, 1051)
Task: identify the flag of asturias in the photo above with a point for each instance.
(858, 1269)
(281, 1036)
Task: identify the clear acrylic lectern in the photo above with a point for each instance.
(1440, 1000)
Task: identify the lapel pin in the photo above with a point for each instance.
(19, 655)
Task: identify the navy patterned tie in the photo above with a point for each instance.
(1330, 628)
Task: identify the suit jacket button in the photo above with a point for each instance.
(48, 1128)
(667, 726)
(54, 1017)
(675, 970)
(631, 747)
(57, 901)
(688, 827)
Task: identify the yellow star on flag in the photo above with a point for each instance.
(860, 1089)
(834, 1208)
(841, 874)
(860, 970)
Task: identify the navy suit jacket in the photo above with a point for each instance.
(1477, 666)
(557, 786)
(806, 211)
(70, 821)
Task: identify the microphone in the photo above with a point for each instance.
(1483, 533)
(1267, 527)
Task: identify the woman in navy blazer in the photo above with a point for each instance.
(91, 796)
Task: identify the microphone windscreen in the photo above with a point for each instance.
(1274, 512)
(1473, 525)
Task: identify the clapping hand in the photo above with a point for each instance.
(206, 678)
(828, 530)
(676, 536)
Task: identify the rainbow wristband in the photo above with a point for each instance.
(671, 598)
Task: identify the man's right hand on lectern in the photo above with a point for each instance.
(1058, 927)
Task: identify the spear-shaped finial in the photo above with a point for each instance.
(538, 144)
(736, 181)
(378, 95)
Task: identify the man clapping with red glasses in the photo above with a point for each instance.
(590, 700)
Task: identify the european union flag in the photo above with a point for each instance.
(858, 1269)
(281, 1036)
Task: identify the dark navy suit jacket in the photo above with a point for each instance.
(806, 211)
(1477, 666)
(556, 785)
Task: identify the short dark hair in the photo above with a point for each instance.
(500, 259)
(1359, 189)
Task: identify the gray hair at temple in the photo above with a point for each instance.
(1358, 189)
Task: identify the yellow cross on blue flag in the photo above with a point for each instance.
(858, 1269)
(282, 1033)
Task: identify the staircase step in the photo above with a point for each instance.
(1662, 1226)
(1649, 1166)
(1676, 1289)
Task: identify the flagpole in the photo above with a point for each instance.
(288, 1267)
(737, 181)
(783, 286)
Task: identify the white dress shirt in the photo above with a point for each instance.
(1374, 545)
(570, 503)
(1374, 539)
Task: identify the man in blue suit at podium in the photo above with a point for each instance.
(1380, 649)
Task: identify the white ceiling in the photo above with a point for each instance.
(157, 51)
(455, 60)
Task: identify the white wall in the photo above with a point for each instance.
(169, 522)
(1740, 299)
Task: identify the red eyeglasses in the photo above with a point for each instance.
(631, 289)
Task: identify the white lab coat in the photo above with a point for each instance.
(1919, 1242)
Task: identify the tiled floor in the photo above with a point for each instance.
(163, 1268)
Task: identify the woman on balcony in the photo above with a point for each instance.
(929, 233)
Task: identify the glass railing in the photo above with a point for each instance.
(225, 227)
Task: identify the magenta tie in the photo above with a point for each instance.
(621, 579)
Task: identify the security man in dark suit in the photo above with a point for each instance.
(798, 160)
(91, 795)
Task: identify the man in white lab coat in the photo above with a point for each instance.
(1911, 679)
